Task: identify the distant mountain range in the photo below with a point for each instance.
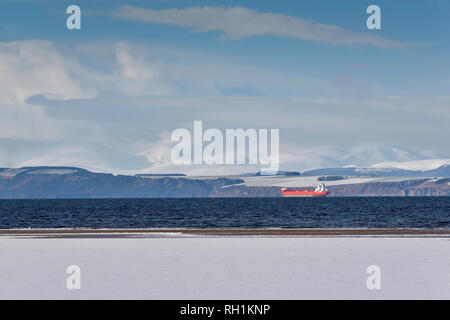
(72, 182)
(339, 156)
(419, 168)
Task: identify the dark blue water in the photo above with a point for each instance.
(426, 212)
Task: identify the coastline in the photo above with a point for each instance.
(410, 232)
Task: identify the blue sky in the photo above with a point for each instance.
(105, 97)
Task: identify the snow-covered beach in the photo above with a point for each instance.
(179, 266)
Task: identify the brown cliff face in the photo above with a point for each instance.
(85, 184)
(392, 189)
(378, 189)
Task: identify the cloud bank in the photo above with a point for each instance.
(240, 22)
(59, 108)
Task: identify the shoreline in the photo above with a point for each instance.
(407, 232)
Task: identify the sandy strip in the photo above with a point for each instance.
(230, 232)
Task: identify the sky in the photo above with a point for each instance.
(108, 96)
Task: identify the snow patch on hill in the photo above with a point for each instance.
(419, 165)
(12, 172)
(53, 171)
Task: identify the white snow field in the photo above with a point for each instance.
(225, 268)
(418, 165)
(309, 181)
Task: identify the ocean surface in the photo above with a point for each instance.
(402, 212)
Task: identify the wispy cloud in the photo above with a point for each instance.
(240, 22)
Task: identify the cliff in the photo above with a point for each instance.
(70, 182)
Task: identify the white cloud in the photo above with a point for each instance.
(133, 67)
(239, 22)
(28, 68)
(138, 73)
(158, 153)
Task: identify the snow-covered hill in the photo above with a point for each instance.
(357, 156)
(420, 165)
(418, 168)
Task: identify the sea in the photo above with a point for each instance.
(228, 213)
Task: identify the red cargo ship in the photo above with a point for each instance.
(319, 191)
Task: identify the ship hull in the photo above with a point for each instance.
(303, 194)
